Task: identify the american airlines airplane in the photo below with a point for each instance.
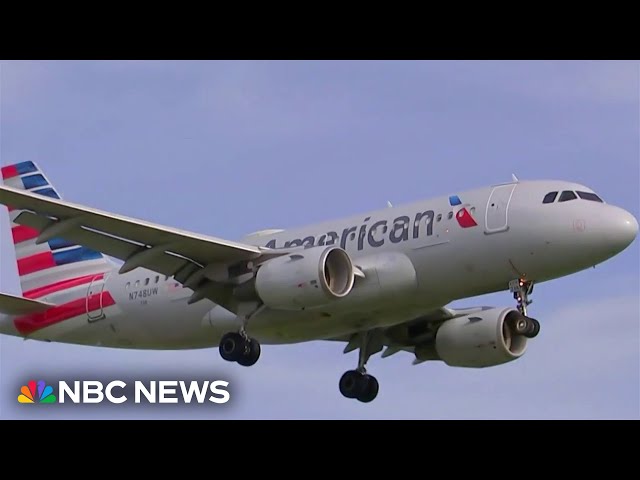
(380, 281)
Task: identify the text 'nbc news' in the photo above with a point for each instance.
(119, 392)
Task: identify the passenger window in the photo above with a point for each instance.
(128, 285)
(439, 217)
(157, 278)
(589, 196)
(450, 216)
(566, 196)
(146, 281)
(550, 197)
(137, 284)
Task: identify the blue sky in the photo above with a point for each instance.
(227, 148)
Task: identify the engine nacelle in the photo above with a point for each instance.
(484, 339)
(309, 278)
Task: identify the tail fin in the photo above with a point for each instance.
(52, 264)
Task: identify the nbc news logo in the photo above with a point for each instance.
(94, 391)
(36, 392)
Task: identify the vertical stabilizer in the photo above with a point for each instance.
(54, 265)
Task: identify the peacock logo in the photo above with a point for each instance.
(36, 392)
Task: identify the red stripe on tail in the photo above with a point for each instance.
(30, 323)
(62, 285)
(22, 233)
(36, 262)
(9, 171)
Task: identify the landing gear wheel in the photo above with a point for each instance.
(370, 389)
(358, 383)
(360, 386)
(232, 347)
(534, 328)
(350, 384)
(522, 325)
(251, 353)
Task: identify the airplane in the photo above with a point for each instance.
(378, 282)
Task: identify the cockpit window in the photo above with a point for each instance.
(589, 196)
(550, 197)
(566, 196)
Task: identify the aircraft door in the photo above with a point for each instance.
(497, 213)
(94, 305)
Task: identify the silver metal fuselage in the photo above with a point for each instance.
(516, 236)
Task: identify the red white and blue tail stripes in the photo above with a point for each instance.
(55, 260)
(76, 300)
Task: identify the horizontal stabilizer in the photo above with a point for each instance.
(15, 305)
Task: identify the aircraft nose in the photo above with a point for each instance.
(624, 229)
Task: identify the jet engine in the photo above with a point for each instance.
(308, 278)
(484, 339)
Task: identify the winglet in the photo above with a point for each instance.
(15, 305)
(389, 204)
(515, 179)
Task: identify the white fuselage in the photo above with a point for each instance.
(516, 236)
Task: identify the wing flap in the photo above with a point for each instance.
(192, 259)
(115, 247)
(204, 248)
(15, 305)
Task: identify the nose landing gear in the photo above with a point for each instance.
(521, 289)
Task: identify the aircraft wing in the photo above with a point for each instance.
(405, 336)
(197, 261)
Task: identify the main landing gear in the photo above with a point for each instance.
(521, 289)
(239, 347)
(358, 383)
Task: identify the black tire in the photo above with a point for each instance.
(370, 390)
(534, 329)
(251, 356)
(231, 347)
(521, 326)
(351, 384)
